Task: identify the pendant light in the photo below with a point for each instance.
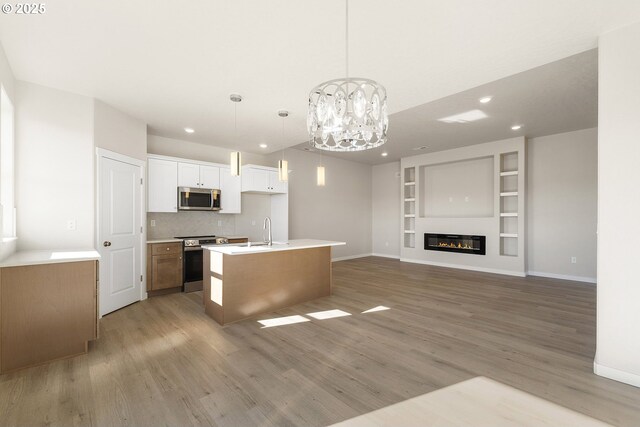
(283, 165)
(347, 114)
(320, 174)
(235, 161)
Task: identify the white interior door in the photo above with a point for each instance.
(119, 235)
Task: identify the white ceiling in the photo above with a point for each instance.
(174, 64)
(558, 97)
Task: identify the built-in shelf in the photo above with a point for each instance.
(409, 207)
(508, 173)
(515, 235)
(505, 214)
(508, 193)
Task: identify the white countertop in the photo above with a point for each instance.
(165, 240)
(277, 246)
(22, 258)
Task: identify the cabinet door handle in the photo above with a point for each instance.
(168, 249)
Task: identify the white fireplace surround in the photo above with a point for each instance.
(480, 190)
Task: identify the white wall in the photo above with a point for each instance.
(203, 152)
(341, 210)
(8, 82)
(618, 320)
(385, 204)
(118, 132)
(562, 197)
(54, 168)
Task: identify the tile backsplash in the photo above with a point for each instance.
(249, 223)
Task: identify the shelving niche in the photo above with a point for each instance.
(409, 204)
(509, 204)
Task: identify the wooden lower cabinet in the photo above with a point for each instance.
(47, 312)
(164, 268)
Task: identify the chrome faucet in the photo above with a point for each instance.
(269, 239)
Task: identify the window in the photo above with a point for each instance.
(7, 178)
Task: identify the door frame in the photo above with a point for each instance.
(142, 211)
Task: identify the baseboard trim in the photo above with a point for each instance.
(345, 258)
(591, 280)
(465, 267)
(386, 256)
(616, 374)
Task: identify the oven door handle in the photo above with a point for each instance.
(192, 248)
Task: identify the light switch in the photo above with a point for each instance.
(153, 222)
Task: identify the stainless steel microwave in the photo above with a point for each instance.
(198, 199)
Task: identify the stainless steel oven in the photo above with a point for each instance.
(192, 259)
(198, 199)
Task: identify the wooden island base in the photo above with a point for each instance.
(241, 286)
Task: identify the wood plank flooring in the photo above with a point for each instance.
(163, 362)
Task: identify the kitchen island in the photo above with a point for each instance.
(244, 281)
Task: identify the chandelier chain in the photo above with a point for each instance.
(346, 38)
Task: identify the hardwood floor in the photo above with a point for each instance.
(163, 362)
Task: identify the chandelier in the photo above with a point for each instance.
(348, 114)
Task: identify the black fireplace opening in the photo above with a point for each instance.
(475, 245)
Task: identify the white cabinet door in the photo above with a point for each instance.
(162, 186)
(275, 185)
(255, 179)
(209, 177)
(230, 187)
(188, 175)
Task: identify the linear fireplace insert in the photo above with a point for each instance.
(475, 245)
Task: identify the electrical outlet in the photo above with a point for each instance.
(153, 222)
(71, 224)
(574, 260)
(253, 223)
(219, 223)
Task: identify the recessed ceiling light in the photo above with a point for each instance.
(485, 99)
(385, 154)
(263, 145)
(466, 117)
(189, 130)
(516, 127)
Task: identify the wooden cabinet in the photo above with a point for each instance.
(47, 312)
(162, 186)
(164, 267)
(259, 179)
(198, 176)
(230, 187)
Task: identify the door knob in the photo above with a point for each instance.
(106, 244)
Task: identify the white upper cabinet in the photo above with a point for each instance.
(257, 179)
(198, 176)
(188, 175)
(162, 186)
(230, 187)
(209, 177)
(275, 185)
